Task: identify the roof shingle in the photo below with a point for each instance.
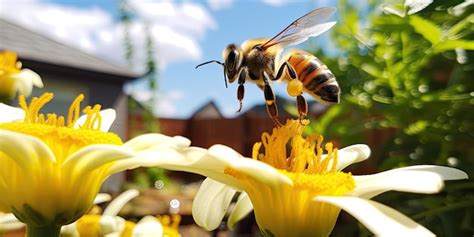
(36, 47)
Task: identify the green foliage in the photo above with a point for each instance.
(146, 177)
(407, 91)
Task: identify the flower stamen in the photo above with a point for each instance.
(32, 115)
(305, 156)
(74, 110)
(53, 129)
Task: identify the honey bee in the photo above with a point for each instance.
(257, 60)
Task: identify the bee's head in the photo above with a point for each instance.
(233, 57)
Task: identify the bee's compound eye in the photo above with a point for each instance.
(231, 58)
(295, 88)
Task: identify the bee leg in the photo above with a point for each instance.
(290, 70)
(270, 102)
(302, 107)
(241, 89)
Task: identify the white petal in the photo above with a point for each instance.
(25, 80)
(9, 222)
(415, 179)
(446, 173)
(148, 226)
(255, 169)
(211, 203)
(146, 141)
(111, 224)
(378, 218)
(27, 151)
(102, 197)
(108, 117)
(393, 10)
(189, 159)
(114, 234)
(211, 163)
(350, 155)
(242, 208)
(69, 230)
(415, 6)
(10, 114)
(91, 157)
(119, 202)
(147, 158)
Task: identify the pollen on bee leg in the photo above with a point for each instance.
(295, 87)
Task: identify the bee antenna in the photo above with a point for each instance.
(225, 80)
(218, 62)
(212, 61)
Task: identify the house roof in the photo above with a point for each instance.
(32, 46)
(207, 111)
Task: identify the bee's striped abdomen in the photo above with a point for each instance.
(317, 79)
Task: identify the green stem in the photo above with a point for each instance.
(42, 231)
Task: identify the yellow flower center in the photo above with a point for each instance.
(289, 210)
(9, 63)
(58, 132)
(303, 162)
(170, 225)
(8, 66)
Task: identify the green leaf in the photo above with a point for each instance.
(372, 70)
(417, 127)
(426, 28)
(453, 44)
(461, 25)
(382, 99)
(326, 119)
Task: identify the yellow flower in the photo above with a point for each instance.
(52, 167)
(109, 224)
(170, 225)
(13, 78)
(296, 190)
(9, 222)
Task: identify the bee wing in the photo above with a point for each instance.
(310, 25)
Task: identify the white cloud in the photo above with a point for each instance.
(217, 5)
(176, 28)
(164, 104)
(189, 19)
(276, 3)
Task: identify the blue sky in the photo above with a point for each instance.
(197, 31)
